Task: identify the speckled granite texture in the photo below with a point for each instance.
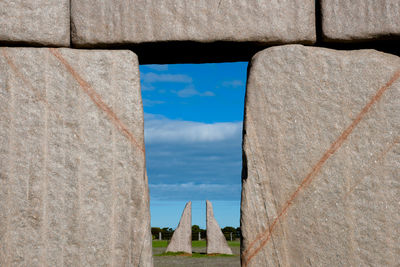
(139, 21)
(321, 158)
(73, 185)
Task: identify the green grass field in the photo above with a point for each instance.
(194, 255)
(198, 257)
(160, 243)
(197, 244)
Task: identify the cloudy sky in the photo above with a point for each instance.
(193, 129)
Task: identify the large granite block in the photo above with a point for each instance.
(38, 22)
(142, 21)
(321, 158)
(73, 186)
(360, 20)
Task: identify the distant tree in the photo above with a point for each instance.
(203, 233)
(238, 232)
(167, 232)
(155, 231)
(195, 228)
(227, 232)
(195, 232)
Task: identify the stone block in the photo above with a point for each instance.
(142, 21)
(181, 240)
(38, 22)
(216, 242)
(73, 185)
(321, 158)
(360, 20)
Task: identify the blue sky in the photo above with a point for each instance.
(193, 132)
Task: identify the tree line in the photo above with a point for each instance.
(166, 232)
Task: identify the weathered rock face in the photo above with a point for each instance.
(321, 158)
(344, 20)
(181, 240)
(139, 21)
(216, 242)
(35, 21)
(73, 187)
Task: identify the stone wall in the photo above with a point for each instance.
(35, 22)
(322, 162)
(360, 20)
(321, 134)
(73, 187)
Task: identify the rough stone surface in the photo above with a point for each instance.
(321, 158)
(216, 242)
(73, 187)
(181, 240)
(344, 20)
(138, 21)
(35, 22)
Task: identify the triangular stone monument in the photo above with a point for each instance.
(216, 242)
(181, 240)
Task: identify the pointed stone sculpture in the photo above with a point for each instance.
(216, 242)
(181, 240)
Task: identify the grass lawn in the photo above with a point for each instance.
(196, 243)
(199, 243)
(194, 255)
(160, 243)
(234, 243)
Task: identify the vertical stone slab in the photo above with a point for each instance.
(181, 240)
(36, 22)
(321, 158)
(216, 242)
(360, 20)
(73, 186)
(140, 21)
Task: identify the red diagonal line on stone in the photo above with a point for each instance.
(96, 98)
(307, 180)
(36, 92)
(17, 72)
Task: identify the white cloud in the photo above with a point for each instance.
(189, 186)
(195, 191)
(152, 77)
(151, 103)
(233, 83)
(147, 87)
(208, 93)
(187, 92)
(160, 129)
(191, 91)
(158, 67)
